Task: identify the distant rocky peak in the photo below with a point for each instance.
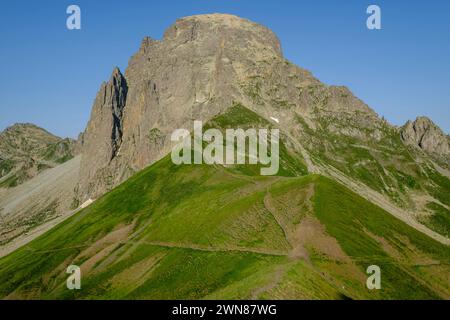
(26, 127)
(26, 150)
(426, 135)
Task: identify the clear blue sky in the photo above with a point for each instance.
(50, 75)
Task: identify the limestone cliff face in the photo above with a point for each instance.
(194, 72)
(201, 66)
(424, 134)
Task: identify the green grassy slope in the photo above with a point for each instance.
(238, 116)
(202, 231)
(213, 232)
(339, 131)
(378, 158)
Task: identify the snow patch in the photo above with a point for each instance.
(275, 119)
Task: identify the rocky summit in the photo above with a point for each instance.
(202, 65)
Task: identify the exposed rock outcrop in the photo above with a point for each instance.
(424, 134)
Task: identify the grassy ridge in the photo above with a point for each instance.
(205, 232)
(199, 231)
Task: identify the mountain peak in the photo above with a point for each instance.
(116, 72)
(116, 77)
(203, 64)
(424, 120)
(426, 135)
(27, 127)
(230, 28)
(27, 149)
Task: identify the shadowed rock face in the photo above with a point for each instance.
(423, 133)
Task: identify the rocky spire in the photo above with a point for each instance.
(102, 138)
